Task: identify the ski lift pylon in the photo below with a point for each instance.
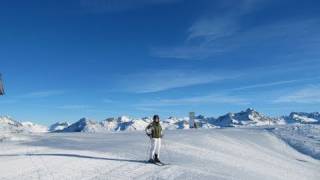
(1, 86)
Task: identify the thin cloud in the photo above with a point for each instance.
(212, 29)
(203, 40)
(107, 100)
(43, 94)
(215, 35)
(308, 95)
(262, 85)
(74, 107)
(198, 100)
(187, 52)
(157, 81)
(215, 99)
(32, 95)
(205, 35)
(300, 36)
(107, 6)
(8, 101)
(147, 109)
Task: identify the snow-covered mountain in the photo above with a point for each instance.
(304, 118)
(125, 123)
(250, 117)
(35, 128)
(7, 124)
(83, 125)
(122, 123)
(58, 126)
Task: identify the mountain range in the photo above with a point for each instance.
(7, 124)
(249, 117)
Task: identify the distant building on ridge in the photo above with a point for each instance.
(192, 123)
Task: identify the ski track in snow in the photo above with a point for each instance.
(232, 153)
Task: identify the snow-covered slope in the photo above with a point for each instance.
(219, 154)
(303, 137)
(250, 117)
(304, 118)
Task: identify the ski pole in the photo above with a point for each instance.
(149, 148)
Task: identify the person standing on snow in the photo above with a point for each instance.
(154, 131)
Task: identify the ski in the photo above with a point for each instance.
(157, 163)
(161, 164)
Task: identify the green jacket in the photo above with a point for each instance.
(155, 130)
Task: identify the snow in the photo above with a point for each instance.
(250, 117)
(59, 126)
(83, 125)
(304, 138)
(125, 123)
(31, 127)
(304, 118)
(247, 118)
(9, 125)
(230, 153)
(257, 147)
(11, 137)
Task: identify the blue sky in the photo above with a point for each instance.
(63, 60)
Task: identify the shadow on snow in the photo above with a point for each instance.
(76, 156)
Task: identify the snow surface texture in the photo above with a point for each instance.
(230, 153)
(299, 130)
(304, 138)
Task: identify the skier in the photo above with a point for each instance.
(154, 131)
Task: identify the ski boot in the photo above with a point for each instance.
(156, 158)
(151, 161)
